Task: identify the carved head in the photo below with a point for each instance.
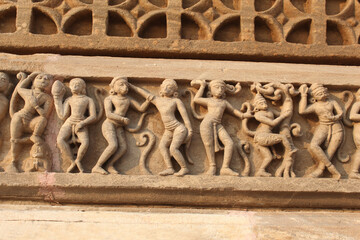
(4, 81)
(218, 88)
(78, 86)
(319, 92)
(119, 85)
(168, 88)
(260, 103)
(41, 81)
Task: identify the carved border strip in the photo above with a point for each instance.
(197, 191)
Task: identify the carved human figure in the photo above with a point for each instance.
(264, 138)
(32, 118)
(4, 102)
(330, 130)
(79, 111)
(354, 116)
(211, 129)
(176, 133)
(116, 106)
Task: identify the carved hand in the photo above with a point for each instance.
(33, 101)
(303, 89)
(150, 97)
(189, 136)
(78, 126)
(126, 120)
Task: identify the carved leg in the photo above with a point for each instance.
(121, 139)
(180, 134)
(109, 133)
(334, 144)
(267, 158)
(207, 137)
(356, 165)
(317, 152)
(164, 150)
(66, 153)
(83, 136)
(16, 131)
(38, 125)
(228, 152)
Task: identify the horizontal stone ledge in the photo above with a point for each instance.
(104, 68)
(197, 191)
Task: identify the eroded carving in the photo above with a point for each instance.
(211, 129)
(176, 133)
(32, 118)
(330, 130)
(78, 111)
(116, 105)
(269, 118)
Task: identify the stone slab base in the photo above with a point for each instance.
(187, 191)
(73, 222)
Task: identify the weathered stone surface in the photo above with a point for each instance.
(187, 191)
(42, 222)
(296, 31)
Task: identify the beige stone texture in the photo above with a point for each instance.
(81, 222)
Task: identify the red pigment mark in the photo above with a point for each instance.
(47, 188)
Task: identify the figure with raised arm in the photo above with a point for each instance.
(265, 138)
(116, 106)
(329, 132)
(176, 133)
(211, 129)
(32, 118)
(78, 111)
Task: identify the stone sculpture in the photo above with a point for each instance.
(32, 118)
(211, 129)
(330, 130)
(355, 117)
(74, 112)
(264, 137)
(5, 87)
(176, 133)
(116, 105)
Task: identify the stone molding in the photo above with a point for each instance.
(281, 30)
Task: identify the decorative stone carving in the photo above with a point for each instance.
(253, 28)
(329, 132)
(32, 118)
(116, 105)
(354, 116)
(264, 137)
(5, 87)
(75, 128)
(176, 133)
(211, 129)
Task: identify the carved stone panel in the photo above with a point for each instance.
(145, 125)
(279, 30)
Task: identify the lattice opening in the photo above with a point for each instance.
(155, 27)
(300, 33)
(8, 21)
(262, 31)
(333, 35)
(189, 29)
(229, 31)
(42, 23)
(334, 6)
(115, 2)
(80, 24)
(117, 26)
(262, 5)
